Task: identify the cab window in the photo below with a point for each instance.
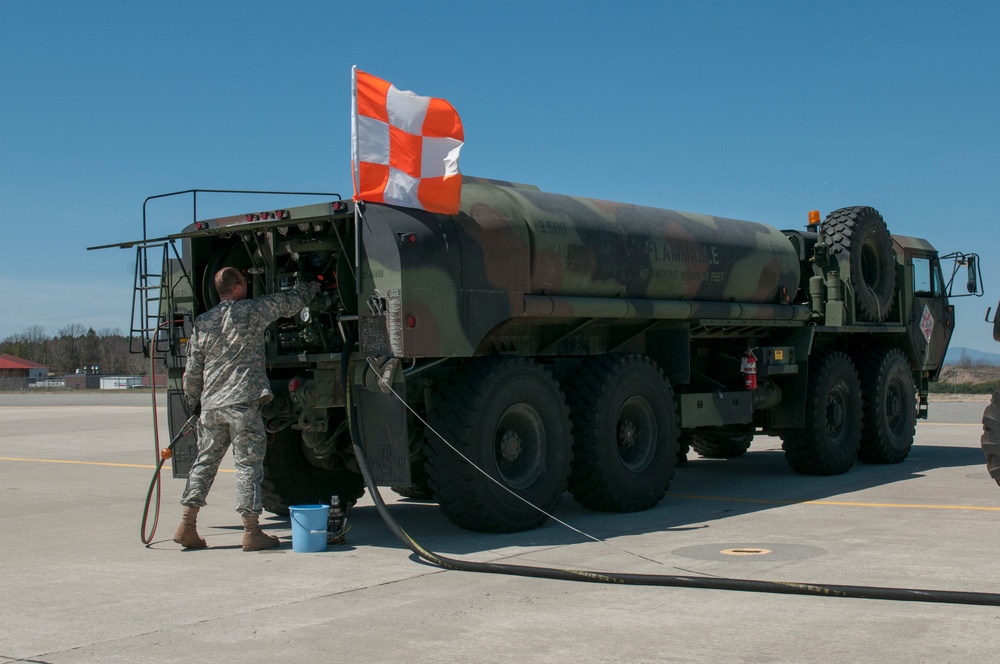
(927, 277)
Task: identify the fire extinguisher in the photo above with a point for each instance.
(748, 367)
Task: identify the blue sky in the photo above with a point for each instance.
(757, 110)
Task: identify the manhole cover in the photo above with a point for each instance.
(746, 552)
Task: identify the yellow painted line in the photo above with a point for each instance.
(95, 463)
(975, 508)
(978, 425)
(79, 405)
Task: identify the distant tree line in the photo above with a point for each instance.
(967, 362)
(968, 376)
(74, 347)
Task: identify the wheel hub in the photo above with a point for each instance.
(519, 446)
(626, 434)
(636, 433)
(510, 446)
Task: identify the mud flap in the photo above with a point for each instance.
(186, 449)
(382, 423)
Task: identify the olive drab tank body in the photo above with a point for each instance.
(460, 276)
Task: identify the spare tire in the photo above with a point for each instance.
(860, 240)
(721, 446)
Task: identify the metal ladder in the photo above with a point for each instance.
(152, 298)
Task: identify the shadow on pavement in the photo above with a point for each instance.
(702, 490)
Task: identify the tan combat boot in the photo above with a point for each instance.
(187, 533)
(253, 538)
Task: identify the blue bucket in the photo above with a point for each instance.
(309, 527)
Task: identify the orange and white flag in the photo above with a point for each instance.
(404, 147)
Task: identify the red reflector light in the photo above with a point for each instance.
(338, 206)
(249, 217)
(294, 384)
(411, 238)
(411, 321)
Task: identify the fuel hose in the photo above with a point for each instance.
(167, 452)
(707, 582)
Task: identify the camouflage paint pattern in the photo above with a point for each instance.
(454, 279)
(226, 373)
(225, 353)
(240, 425)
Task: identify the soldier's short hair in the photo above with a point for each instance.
(226, 281)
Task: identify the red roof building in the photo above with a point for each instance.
(10, 362)
(12, 366)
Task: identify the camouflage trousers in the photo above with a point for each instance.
(240, 425)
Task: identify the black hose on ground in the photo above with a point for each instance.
(713, 583)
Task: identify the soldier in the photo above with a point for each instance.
(225, 378)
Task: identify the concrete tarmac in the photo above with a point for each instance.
(77, 585)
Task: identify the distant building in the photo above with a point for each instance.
(14, 367)
(91, 378)
(83, 381)
(120, 382)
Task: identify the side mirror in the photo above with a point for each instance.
(972, 285)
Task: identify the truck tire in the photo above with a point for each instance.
(889, 399)
(991, 436)
(624, 433)
(721, 446)
(859, 235)
(507, 416)
(828, 444)
(292, 476)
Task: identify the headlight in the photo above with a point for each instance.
(305, 314)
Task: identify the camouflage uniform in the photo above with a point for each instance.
(225, 371)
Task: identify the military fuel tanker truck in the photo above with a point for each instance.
(535, 343)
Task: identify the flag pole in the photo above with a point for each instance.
(355, 166)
